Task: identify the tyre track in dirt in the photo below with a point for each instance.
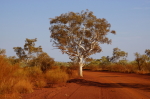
(131, 85)
(66, 93)
(131, 82)
(110, 89)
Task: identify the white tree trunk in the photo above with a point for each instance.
(80, 67)
(80, 70)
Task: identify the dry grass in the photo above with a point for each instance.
(6, 79)
(72, 73)
(23, 86)
(15, 80)
(94, 67)
(40, 83)
(56, 76)
(70, 70)
(6, 86)
(10, 96)
(130, 68)
(119, 68)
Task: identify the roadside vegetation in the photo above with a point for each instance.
(23, 75)
(119, 63)
(77, 34)
(31, 70)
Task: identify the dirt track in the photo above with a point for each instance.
(99, 85)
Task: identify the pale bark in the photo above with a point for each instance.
(80, 67)
(80, 70)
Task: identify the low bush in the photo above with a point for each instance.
(15, 79)
(117, 68)
(94, 67)
(6, 86)
(40, 83)
(23, 86)
(36, 76)
(129, 68)
(6, 79)
(56, 76)
(72, 73)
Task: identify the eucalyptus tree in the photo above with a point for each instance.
(29, 49)
(79, 35)
(104, 60)
(2, 52)
(147, 51)
(20, 52)
(117, 54)
(13, 60)
(140, 59)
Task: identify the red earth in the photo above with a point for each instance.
(98, 85)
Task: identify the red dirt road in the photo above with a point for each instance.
(98, 85)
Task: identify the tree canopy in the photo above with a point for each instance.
(147, 51)
(29, 47)
(117, 54)
(2, 52)
(140, 59)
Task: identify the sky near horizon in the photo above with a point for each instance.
(21, 19)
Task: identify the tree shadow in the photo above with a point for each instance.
(83, 82)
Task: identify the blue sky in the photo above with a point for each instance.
(21, 19)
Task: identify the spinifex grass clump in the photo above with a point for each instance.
(33, 74)
(56, 76)
(36, 75)
(6, 72)
(13, 79)
(23, 86)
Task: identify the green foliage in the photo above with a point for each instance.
(2, 52)
(13, 60)
(62, 63)
(44, 61)
(140, 60)
(73, 65)
(29, 47)
(123, 62)
(20, 53)
(95, 62)
(117, 54)
(104, 61)
(147, 51)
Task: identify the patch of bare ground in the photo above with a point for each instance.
(98, 85)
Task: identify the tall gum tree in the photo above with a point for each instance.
(79, 35)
